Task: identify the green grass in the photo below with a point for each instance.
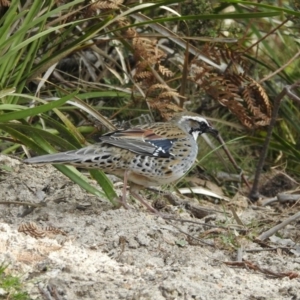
(11, 285)
(44, 106)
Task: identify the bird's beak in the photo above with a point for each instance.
(213, 131)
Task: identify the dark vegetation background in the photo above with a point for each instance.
(71, 70)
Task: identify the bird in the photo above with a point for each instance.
(148, 155)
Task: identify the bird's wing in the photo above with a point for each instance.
(137, 140)
(142, 141)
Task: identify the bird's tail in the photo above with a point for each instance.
(56, 158)
(87, 155)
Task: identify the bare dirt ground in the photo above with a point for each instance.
(84, 249)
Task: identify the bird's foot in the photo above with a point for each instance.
(123, 202)
(144, 202)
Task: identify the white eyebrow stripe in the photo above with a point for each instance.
(197, 119)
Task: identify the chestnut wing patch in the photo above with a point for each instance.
(140, 141)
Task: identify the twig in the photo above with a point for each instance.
(44, 293)
(271, 231)
(239, 256)
(268, 201)
(269, 249)
(256, 267)
(267, 35)
(288, 197)
(24, 203)
(281, 68)
(192, 237)
(236, 217)
(229, 227)
(198, 211)
(230, 157)
(254, 195)
(281, 198)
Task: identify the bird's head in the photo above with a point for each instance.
(194, 124)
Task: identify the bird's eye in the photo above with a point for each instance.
(202, 126)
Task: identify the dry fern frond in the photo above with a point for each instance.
(144, 75)
(146, 55)
(140, 120)
(160, 91)
(165, 108)
(148, 70)
(95, 8)
(233, 88)
(4, 3)
(104, 5)
(53, 230)
(29, 257)
(160, 86)
(165, 71)
(33, 230)
(249, 94)
(161, 96)
(168, 94)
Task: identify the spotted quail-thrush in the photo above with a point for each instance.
(147, 155)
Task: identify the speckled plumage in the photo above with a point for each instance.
(151, 155)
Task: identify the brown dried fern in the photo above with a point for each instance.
(105, 5)
(168, 94)
(233, 88)
(166, 108)
(158, 86)
(148, 59)
(144, 75)
(33, 230)
(165, 71)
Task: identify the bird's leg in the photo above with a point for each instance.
(134, 192)
(123, 197)
(134, 188)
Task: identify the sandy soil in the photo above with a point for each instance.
(88, 250)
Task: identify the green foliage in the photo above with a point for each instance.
(12, 286)
(121, 71)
